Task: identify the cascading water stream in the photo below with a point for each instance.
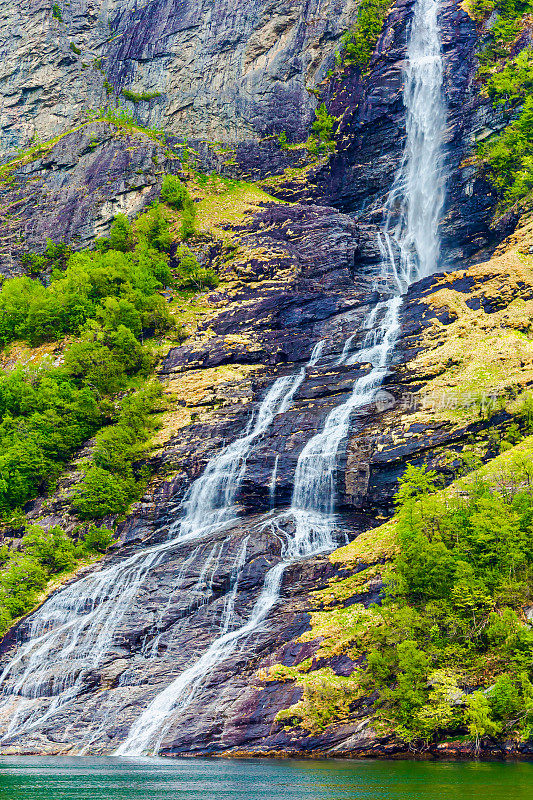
(410, 249)
(75, 629)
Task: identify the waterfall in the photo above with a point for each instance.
(409, 243)
(410, 251)
(414, 207)
(73, 630)
(272, 484)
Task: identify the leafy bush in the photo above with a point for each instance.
(463, 570)
(508, 155)
(109, 298)
(152, 228)
(102, 493)
(54, 257)
(321, 137)
(192, 275)
(514, 81)
(173, 191)
(45, 417)
(104, 358)
(110, 483)
(37, 314)
(44, 555)
(508, 9)
(188, 216)
(97, 540)
(121, 236)
(56, 12)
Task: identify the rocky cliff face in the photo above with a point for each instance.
(225, 71)
(257, 71)
(232, 73)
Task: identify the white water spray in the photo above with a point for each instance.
(410, 250)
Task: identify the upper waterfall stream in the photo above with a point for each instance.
(75, 629)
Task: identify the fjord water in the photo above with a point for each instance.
(202, 779)
(73, 632)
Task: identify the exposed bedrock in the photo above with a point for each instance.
(225, 71)
(178, 610)
(372, 134)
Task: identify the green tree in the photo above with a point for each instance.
(121, 235)
(102, 493)
(191, 274)
(173, 191)
(188, 216)
(153, 229)
(478, 719)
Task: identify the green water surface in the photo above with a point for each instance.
(36, 778)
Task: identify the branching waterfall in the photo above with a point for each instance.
(74, 630)
(410, 251)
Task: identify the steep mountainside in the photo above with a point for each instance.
(227, 71)
(212, 624)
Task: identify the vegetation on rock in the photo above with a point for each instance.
(109, 300)
(448, 651)
(508, 155)
(139, 97)
(359, 42)
(43, 556)
(321, 137)
(111, 481)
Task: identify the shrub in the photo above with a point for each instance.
(45, 417)
(30, 311)
(102, 493)
(173, 191)
(446, 616)
(98, 540)
(321, 137)
(116, 311)
(110, 483)
(121, 234)
(153, 229)
(56, 12)
(43, 555)
(139, 97)
(188, 216)
(53, 549)
(192, 275)
(55, 256)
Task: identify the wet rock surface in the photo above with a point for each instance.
(177, 612)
